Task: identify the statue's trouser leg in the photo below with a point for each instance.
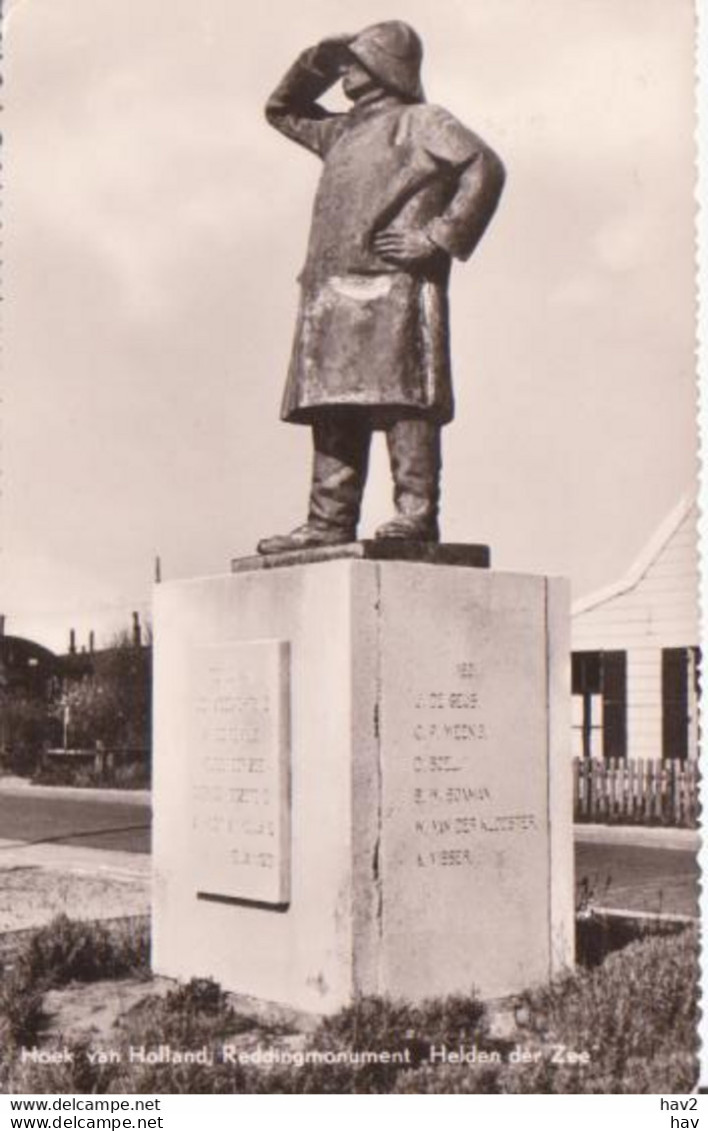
(340, 464)
(415, 453)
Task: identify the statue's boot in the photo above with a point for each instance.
(414, 452)
(340, 464)
(305, 537)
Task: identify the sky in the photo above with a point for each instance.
(154, 226)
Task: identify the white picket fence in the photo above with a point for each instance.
(636, 791)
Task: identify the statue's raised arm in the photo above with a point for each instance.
(293, 107)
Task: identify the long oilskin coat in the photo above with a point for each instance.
(369, 333)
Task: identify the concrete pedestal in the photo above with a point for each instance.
(362, 781)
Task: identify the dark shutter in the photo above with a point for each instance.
(614, 704)
(674, 699)
(586, 681)
(586, 670)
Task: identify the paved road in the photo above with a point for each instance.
(74, 819)
(660, 875)
(637, 878)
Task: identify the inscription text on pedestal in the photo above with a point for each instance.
(240, 738)
(456, 797)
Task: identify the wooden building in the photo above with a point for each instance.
(635, 652)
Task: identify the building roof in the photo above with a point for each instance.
(654, 547)
(24, 663)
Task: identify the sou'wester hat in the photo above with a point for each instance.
(392, 52)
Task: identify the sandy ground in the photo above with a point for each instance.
(39, 881)
(32, 896)
(93, 1012)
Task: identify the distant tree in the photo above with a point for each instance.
(26, 724)
(110, 705)
(26, 728)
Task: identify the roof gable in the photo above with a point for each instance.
(643, 563)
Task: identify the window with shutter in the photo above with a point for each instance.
(599, 685)
(675, 664)
(614, 702)
(586, 670)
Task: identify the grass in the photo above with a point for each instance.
(374, 1024)
(70, 950)
(65, 951)
(632, 1018)
(187, 1017)
(635, 1015)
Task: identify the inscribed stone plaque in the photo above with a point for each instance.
(465, 786)
(240, 788)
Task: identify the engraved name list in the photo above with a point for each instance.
(240, 770)
(457, 802)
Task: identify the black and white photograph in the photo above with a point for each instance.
(350, 652)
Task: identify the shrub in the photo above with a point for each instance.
(20, 1012)
(196, 1079)
(126, 775)
(635, 1014)
(598, 935)
(449, 1079)
(65, 951)
(26, 730)
(131, 775)
(376, 1024)
(53, 773)
(187, 1017)
(76, 1076)
(69, 950)
(639, 997)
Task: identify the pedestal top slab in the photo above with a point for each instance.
(384, 550)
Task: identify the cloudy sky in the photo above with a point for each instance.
(154, 227)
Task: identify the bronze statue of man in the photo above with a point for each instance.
(405, 187)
